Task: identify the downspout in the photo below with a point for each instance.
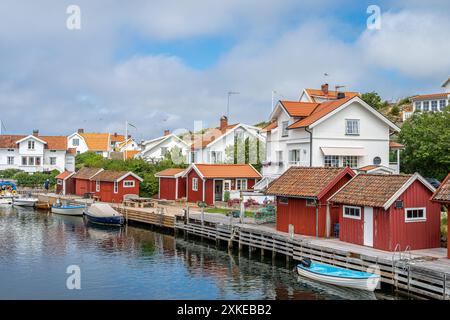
(310, 146)
(317, 219)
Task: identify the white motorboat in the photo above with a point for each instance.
(70, 210)
(24, 202)
(103, 213)
(338, 276)
(6, 201)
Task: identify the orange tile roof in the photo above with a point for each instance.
(117, 137)
(395, 145)
(442, 194)
(320, 111)
(9, 141)
(304, 181)
(63, 175)
(53, 142)
(372, 190)
(96, 141)
(86, 173)
(131, 153)
(368, 168)
(270, 127)
(331, 94)
(171, 172)
(431, 96)
(228, 171)
(299, 109)
(71, 150)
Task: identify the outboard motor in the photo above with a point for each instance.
(306, 262)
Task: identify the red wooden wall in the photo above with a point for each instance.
(106, 193)
(167, 188)
(82, 186)
(194, 196)
(181, 187)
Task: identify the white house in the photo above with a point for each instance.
(344, 131)
(129, 145)
(434, 102)
(100, 143)
(35, 153)
(215, 145)
(155, 150)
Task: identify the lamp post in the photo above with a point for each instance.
(228, 102)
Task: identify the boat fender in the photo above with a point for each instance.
(306, 262)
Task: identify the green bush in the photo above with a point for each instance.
(9, 173)
(226, 196)
(35, 180)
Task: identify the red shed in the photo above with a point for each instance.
(302, 194)
(64, 183)
(112, 186)
(442, 195)
(83, 180)
(388, 211)
(209, 182)
(172, 184)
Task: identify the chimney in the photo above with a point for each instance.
(166, 132)
(115, 134)
(36, 132)
(129, 136)
(80, 130)
(223, 123)
(324, 88)
(340, 95)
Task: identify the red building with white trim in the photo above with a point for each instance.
(112, 186)
(388, 211)
(64, 183)
(442, 196)
(172, 184)
(82, 179)
(302, 194)
(209, 182)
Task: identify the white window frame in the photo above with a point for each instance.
(294, 156)
(418, 105)
(31, 145)
(31, 161)
(10, 160)
(426, 106)
(194, 184)
(24, 161)
(284, 129)
(422, 219)
(129, 184)
(76, 142)
(352, 163)
(36, 160)
(97, 186)
(116, 187)
(332, 158)
(434, 105)
(216, 157)
(51, 162)
(352, 127)
(240, 184)
(442, 104)
(350, 216)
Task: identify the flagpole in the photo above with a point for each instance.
(126, 137)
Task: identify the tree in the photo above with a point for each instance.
(372, 99)
(395, 111)
(426, 138)
(89, 159)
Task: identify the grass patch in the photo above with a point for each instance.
(248, 214)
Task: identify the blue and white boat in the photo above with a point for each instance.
(68, 209)
(102, 213)
(338, 276)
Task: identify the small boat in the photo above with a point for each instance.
(68, 209)
(102, 213)
(43, 205)
(25, 202)
(5, 201)
(338, 276)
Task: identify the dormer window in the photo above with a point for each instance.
(352, 127)
(30, 145)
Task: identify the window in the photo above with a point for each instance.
(415, 214)
(241, 184)
(442, 104)
(279, 156)
(418, 105)
(99, 153)
(59, 182)
(331, 161)
(31, 161)
(194, 184)
(10, 150)
(283, 200)
(163, 151)
(377, 161)
(352, 126)
(97, 186)
(352, 212)
(128, 184)
(310, 202)
(284, 129)
(24, 161)
(426, 106)
(53, 161)
(10, 160)
(78, 152)
(294, 156)
(116, 187)
(30, 145)
(38, 161)
(434, 105)
(76, 142)
(216, 157)
(193, 159)
(350, 161)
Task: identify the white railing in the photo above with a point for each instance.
(394, 166)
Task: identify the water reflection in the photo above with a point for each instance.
(135, 263)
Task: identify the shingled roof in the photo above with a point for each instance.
(306, 182)
(86, 173)
(442, 194)
(113, 175)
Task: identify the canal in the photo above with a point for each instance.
(135, 262)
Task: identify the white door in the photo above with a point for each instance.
(368, 226)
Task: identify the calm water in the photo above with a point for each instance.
(135, 263)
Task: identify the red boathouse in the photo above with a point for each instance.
(64, 183)
(442, 195)
(172, 184)
(83, 180)
(302, 194)
(388, 212)
(112, 186)
(209, 182)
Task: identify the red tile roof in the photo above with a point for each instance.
(63, 175)
(171, 172)
(270, 127)
(395, 145)
(53, 142)
(431, 96)
(330, 95)
(442, 194)
(307, 182)
(372, 190)
(299, 109)
(228, 171)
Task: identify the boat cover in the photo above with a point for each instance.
(102, 210)
(333, 271)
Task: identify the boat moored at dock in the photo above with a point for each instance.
(68, 209)
(25, 202)
(102, 213)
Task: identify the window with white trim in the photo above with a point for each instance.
(10, 160)
(284, 129)
(434, 105)
(418, 105)
(294, 156)
(30, 145)
(350, 161)
(352, 126)
(442, 104)
(31, 161)
(128, 184)
(331, 161)
(241, 184)
(53, 161)
(76, 142)
(352, 212)
(194, 184)
(24, 161)
(216, 156)
(97, 186)
(426, 106)
(38, 161)
(283, 200)
(415, 214)
(116, 187)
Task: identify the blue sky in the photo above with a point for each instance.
(165, 64)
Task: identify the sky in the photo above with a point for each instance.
(164, 64)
